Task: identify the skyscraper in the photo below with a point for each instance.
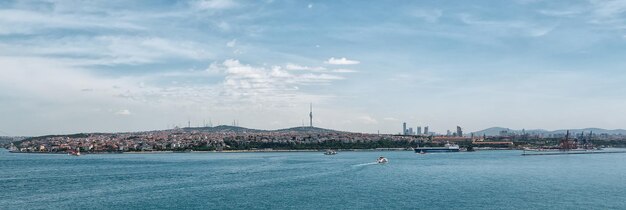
(459, 131)
(404, 128)
(426, 130)
(311, 116)
(418, 130)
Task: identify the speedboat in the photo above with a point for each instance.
(382, 160)
(330, 152)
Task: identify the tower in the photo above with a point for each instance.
(404, 128)
(459, 131)
(311, 115)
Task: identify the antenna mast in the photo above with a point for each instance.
(311, 116)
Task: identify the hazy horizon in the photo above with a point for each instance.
(367, 66)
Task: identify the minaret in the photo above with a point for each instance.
(311, 115)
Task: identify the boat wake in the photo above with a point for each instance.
(365, 164)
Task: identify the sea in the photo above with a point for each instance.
(311, 180)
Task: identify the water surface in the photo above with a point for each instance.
(310, 180)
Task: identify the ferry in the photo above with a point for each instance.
(447, 148)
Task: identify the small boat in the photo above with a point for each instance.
(74, 153)
(382, 160)
(330, 152)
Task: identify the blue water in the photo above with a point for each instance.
(310, 180)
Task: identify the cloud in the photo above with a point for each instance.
(344, 71)
(291, 66)
(214, 4)
(16, 21)
(366, 119)
(390, 119)
(110, 50)
(341, 61)
(231, 43)
(507, 26)
(310, 6)
(259, 84)
(428, 15)
(123, 112)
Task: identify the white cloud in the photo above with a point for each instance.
(366, 119)
(110, 50)
(270, 85)
(432, 15)
(341, 61)
(390, 119)
(231, 43)
(123, 112)
(291, 66)
(13, 21)
(510, 26)
(310, 6)
(214, 4)
(344, 71)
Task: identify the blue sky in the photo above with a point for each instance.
(103, 66)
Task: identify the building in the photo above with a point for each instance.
(426, 130)
(459, 131)
(404, 128)
(410, 131)
(418, 130)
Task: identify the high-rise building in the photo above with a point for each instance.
(311, 116)
(426, 130)
(418, 130)
(410, 131)
(448, 133)
(459, 131)
(404, 128)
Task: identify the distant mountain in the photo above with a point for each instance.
(594, 130)
(236, 129)
(307, 129)
(494, 131)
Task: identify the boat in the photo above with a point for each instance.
(447, 148)
(74, 153)
(382, 160)
(330, 152)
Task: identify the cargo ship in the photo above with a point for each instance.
(447, 148)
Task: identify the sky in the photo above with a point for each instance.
(366, 66)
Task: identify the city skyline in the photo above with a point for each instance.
(118, 66)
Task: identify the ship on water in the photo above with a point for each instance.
(446, 148)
